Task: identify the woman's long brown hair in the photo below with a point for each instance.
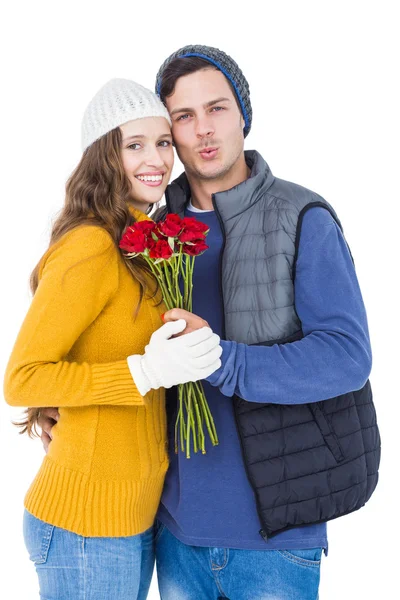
(97, 193)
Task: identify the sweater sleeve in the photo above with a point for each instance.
(334, 356)
(78, 276)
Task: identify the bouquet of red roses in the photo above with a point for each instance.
(170, 248)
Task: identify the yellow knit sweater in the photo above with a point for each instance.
(104, 472)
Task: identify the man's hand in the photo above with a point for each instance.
(193, 321)
(48, 417)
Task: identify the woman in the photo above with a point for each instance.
(91, 345)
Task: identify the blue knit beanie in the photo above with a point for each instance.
(226, 65)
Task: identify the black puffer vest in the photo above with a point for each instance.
(306, 463)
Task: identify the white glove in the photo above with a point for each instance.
(167, 362)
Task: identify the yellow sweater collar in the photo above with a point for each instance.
(138, 214)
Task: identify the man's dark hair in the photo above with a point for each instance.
(179, 67)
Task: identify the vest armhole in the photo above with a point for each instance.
(298, 231)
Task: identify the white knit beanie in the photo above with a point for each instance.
(116, 103)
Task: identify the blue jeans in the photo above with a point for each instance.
(74, 567)
(198, 573)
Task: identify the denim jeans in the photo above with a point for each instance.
(199, 573)
(74, 567)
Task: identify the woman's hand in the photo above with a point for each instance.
(48, 417)
(193, 321)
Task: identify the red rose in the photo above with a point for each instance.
(172, 225)
(157, 231)
(133, 241)
(193, 230)
(145, 227)
(189, 235)
(150, 243)
(195, 249)
(161, 250)
(192, 224)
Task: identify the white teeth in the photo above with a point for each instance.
(149, 177)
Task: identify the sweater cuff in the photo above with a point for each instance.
(136, 367)
(217, 378)
(112, 383)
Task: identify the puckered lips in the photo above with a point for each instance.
(209, 153)
(151, 178)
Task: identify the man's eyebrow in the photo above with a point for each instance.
(206, 105)
(217, 101)
(179, 110)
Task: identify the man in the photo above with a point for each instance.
(292, 402)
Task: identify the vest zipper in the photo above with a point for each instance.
(262, 532)
(221, 223)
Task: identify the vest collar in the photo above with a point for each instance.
(231, 202)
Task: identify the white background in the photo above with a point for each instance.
(323, 79)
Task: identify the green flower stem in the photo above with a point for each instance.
(191, 416)
(213, 431)
(181, 418)
(190, 278)
(176, 427)
(177, 272)
(182, 269)
(199, 420)
(185, 402)
(164, 285)
(175, 275)
(188, 424)
(158, 275)
(207, 414)
(185, 274)
(167, 273)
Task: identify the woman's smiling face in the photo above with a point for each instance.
(147, 157)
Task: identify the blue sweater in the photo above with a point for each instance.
(207, 500)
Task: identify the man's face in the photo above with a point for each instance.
(207, 125)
